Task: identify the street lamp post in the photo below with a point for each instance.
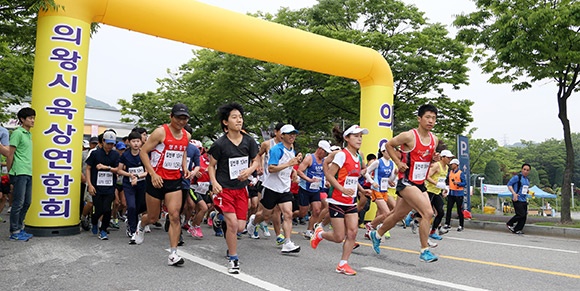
(481, 191)
(572, 194)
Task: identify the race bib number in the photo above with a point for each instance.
(104, 178)
(384, 184)
(420, 170)
(315, 185)
(237, 165)
(441, 183)
(202, 187)
(4, 170)
(173, 160)
(137, 171)
(525, 189)
(351, 183)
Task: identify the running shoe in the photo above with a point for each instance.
(460, 229)
(280, 239)
(387, 234)
(368, 228)
(181, 241)
(19, 237)
(95, 229)
(147, 229)
(253, 232)
(139, 234)
(307, 234)
(315, 239)
(345, 269)
(356, 246)
(376, 241)
(157, 224)
(414, 226)
(199, 233)
(264, 228)
(132, 240)
(103, 235)
(210, 221)
(427, 256)
(443, 230)
(519, 232)
(23, 232)
(407, 221)
(290, 247)
(234, 266)
(431, 243)
(175, 260)
(85, 223)
(510, 228)
(115, 224)
(435, 236)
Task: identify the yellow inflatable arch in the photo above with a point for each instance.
(59, 85)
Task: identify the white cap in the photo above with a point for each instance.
(86, 143)
(354, 130)
(325, 146)
(196, 143)
(109, 137)
(288, 128)
(454, 161)
(447, 153)
(335, 148)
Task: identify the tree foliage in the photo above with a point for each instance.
(521, 42)
(422, 56)
(493, 173)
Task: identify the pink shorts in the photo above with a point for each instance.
(233, 201)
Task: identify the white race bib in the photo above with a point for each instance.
(384, 184)
(237, 165)
(202, 187)
(137, 171)
(4, 170)
(420, 170)
(315, 185)
(104, 178)
(441, 183)
(351, 183)
(525, 189)
(173, 160)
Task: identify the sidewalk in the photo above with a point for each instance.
(497, 222)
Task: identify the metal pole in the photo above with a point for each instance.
(481, 190)
(572, 194)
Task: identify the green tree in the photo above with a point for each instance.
(493, 174)
(481, 151)
(530, 41)
(424, 58)
(534, 177)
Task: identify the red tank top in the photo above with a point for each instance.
(203, 165)
(167, 157)
(347, 177)
(418, 159)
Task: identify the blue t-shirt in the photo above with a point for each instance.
(523, 190)
(314, 170)
(192, 162)
(4, 136)
(132, 164)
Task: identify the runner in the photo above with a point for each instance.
(311, 173)
(277, 187)
(418, 146)
(232, 161)
(436, 188)
(343, 174)
(167, 145)
(131, 168)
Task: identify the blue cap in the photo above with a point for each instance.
(121, 145)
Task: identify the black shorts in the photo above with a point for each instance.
(271, 198)
(119, 187)
(404, 183)
(207, 198)
(196, 197)
(168, 187)
(305, 198)
(254, 191)
(340, 211)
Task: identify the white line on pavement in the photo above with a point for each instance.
(222, 269)
(512, 245)
(423, 279)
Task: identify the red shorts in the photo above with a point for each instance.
(232, 201)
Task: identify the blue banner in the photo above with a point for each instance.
(463, 156)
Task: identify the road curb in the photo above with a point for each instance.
(528, 229)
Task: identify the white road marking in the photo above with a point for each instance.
(224, 270)
(423, 279)
(512, 245)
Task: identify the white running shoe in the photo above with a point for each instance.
(290, 247)
(147, 229)
(431, 244)
(139, 236)
(251, 228)
(234, 267)
(308, 234)
(175, 260)
(264, 228)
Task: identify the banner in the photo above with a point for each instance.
(463, 156)
(494, 189)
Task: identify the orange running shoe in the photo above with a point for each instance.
(345, 269)
(314, 239)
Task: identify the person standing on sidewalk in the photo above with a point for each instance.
(518, 186)
(19, 164)
(457, 182)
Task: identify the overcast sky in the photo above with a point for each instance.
(122, 63)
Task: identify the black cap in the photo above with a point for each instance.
(180, 109)
(94, 139)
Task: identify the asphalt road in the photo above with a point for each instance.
(468, 260)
